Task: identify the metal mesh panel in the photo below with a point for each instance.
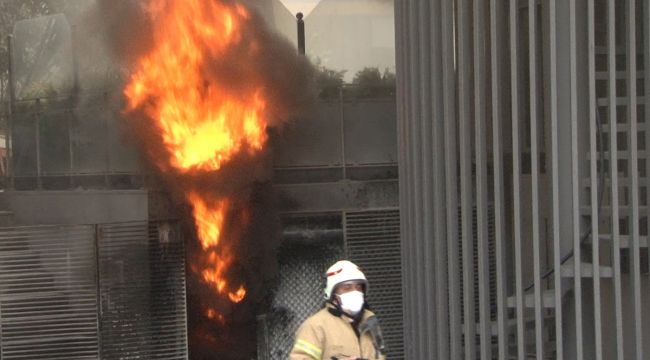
(299, 293)
(48, 297)
(492, 265)
(142, 292)
(373, 243)
(168, 306)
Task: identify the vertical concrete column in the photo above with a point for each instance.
(428, 201)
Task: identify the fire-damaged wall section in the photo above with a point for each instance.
(226, 67)
(336, 173)
(142, 291)
(302, 259)
(312, 242)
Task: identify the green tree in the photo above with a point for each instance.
(367, 77)
(388, 78)
(370, 83)
(328, 81)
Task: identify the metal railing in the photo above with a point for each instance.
(58, 143)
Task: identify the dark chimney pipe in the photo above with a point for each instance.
(301, 34)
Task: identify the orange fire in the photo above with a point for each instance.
(209, 223)
(214, 315)
(209, 220)
(238, 295)
(201, 124)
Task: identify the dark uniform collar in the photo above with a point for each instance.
(335, 309)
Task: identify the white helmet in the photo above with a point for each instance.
(340, 272)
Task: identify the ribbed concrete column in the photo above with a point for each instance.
(426, 127)
(504, 173)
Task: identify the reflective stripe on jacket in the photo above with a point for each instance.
(326, 336)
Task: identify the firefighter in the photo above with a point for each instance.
(344, 329)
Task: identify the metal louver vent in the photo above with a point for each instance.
(48, 294)
(492, 276)
(167, 270)
(373, 242)
(299, 294)
(142, 291)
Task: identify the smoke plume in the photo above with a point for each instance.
(251, 230)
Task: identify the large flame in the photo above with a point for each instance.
(209, 223)
(200, 123)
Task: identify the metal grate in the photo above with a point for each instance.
(299, 294)
(142, 291)
(168, 307)
(373, 242)
(48, 296)
(491, 260)
(49, 292)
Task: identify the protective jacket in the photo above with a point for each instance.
(329, 335)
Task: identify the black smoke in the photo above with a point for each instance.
(252, 228)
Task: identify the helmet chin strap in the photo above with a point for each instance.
(335, 309)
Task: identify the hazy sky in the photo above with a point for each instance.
(304, 6)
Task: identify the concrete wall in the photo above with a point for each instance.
(364, 130)
(75, 207)
(342, 195)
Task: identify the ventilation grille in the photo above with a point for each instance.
(48, 294)
(167, 269)
(492, 266)
(373, 243)
(299, 294)
(142, 291)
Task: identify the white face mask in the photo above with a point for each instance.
(351, 302)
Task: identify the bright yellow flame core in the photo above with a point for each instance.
(201, 123)
(209, 223)
(238, 295)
